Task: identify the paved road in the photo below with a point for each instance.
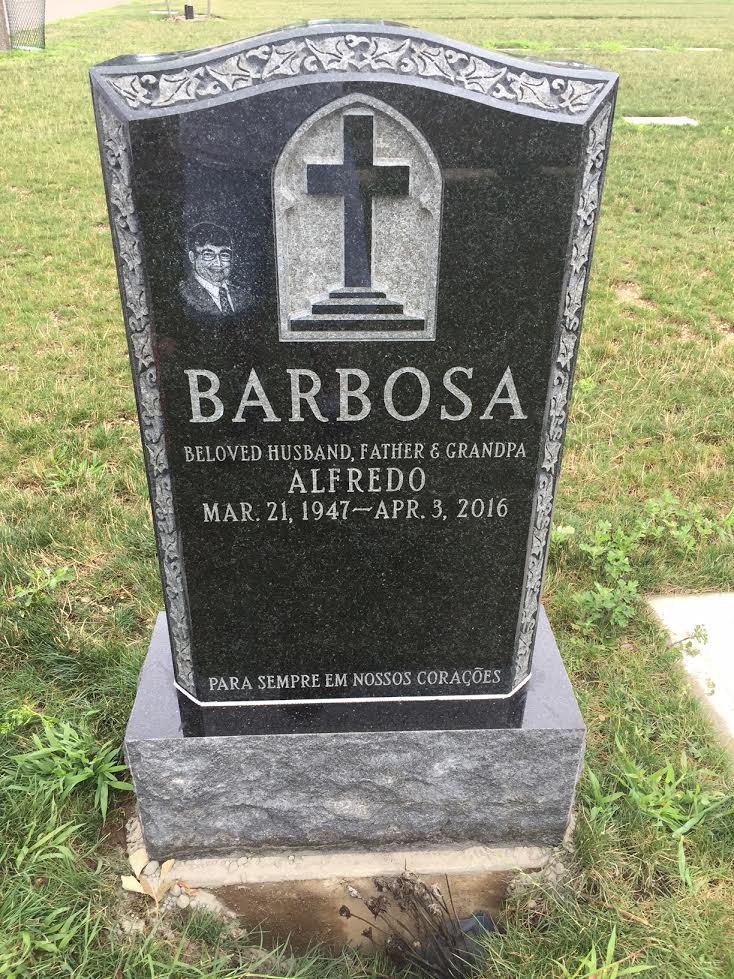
(59, 9)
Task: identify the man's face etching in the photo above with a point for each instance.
(212, 262)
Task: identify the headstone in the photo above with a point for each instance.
(353, 261)
(661, 120)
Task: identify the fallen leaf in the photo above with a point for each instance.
(148, 889)
(131, 884)
(138, 860)
(166, 868)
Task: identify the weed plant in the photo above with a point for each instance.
(64, 759)
(610, 552)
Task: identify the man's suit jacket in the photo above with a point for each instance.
(197, 298)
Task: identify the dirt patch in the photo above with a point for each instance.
(116, 838)
(688, 332)
(304, 912)
(630, 292)
(294, 911)
(632, 315)
(724, 328)
(108, 424)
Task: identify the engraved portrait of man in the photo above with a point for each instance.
(208, 288)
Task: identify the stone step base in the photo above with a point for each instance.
(353, 305)
(352, 322)
(379, 790)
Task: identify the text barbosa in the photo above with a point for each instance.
(354, 403)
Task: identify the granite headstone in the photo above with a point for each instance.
(353, 262)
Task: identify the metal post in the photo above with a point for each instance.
(4, 33)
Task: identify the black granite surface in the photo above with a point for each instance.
(418, 606)
(547, 704)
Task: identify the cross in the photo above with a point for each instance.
(358, 180)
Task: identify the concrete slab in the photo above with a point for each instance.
(712, 670)
(277, 866)
(661, 120)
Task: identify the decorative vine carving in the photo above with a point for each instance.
(116, 154)
(356, 53)
(586, 213)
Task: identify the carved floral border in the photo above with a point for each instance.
(362, 53)
(116, 158)
(565, 359)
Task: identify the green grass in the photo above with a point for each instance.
(653, 412)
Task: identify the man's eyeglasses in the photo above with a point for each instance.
(209, 253)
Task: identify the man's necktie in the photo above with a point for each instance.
(224, 302)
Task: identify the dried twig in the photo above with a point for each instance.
(420, 929)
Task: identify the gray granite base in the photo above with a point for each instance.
(216, 795)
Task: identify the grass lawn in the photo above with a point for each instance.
(644, 506)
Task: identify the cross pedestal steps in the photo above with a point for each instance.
(357, 308)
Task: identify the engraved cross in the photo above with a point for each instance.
(358, 180)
